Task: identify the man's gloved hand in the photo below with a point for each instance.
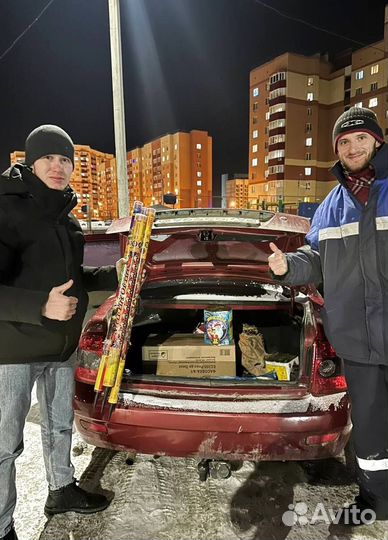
(59, 306)
(277, 261)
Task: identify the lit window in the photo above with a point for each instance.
(175, 147)
(255, 92)
(255, 133)
(307, 171)
(199, 191)
(267, 115)
(359, 75)
(254, 162)
(310, 96)
(374, 69)
(168, 175)
(358, 104)
(199, 146)
(199, 174)
(254, 148)
(199, 182)
(373, 102)
(309, 141)
(310, 81)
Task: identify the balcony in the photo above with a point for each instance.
(280, 115)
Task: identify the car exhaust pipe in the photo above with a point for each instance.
(214, 468)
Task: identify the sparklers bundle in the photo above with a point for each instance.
(117, 341)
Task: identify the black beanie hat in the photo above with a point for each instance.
(357, 119)
(48, 139)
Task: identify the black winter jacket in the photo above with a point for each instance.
(41, 246)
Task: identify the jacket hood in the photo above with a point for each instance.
(11, 181)
(379, 162)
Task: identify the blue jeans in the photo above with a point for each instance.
(55, 388)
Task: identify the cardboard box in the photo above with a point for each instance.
(282, 369)
(186, 355)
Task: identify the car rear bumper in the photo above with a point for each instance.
(211, 435)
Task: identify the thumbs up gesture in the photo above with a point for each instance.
(59, 306)
(277, 261)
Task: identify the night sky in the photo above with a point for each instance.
(186, 65)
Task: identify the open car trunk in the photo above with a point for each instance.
(281, 323)
(202, 259)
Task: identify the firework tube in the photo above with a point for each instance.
(98, 386)
(113, 397)
(122, 303)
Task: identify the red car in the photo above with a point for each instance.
(198, 260)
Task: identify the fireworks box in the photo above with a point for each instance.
(186, 355)
(218, 326)
(282, 369)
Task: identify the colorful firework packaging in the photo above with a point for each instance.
(218, 326)
(117, 341)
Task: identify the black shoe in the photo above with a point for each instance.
(72, 498)
(360, 512)
(11, 535)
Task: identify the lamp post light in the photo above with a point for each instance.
(118, 107)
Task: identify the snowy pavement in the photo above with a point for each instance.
(163, 499)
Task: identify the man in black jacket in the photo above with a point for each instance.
(43, 301)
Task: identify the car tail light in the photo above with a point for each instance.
(327, 373)
(90, 350)
(96, 427)
(319, 440)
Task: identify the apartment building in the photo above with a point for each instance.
(179, 163)
(294, 102)
(94, 180)
(235, 190)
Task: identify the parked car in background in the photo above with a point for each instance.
(199, 260)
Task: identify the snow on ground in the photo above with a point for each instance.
(163, 499)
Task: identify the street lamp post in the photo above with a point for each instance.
(118, 106)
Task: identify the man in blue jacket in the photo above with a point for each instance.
(347, 250)
(43, 301)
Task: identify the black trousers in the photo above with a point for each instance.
(368, 389)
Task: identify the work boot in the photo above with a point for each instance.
(360, 512)
(72, 498)
(11, 535)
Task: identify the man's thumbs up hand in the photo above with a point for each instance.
(59, 306)
(277, 261)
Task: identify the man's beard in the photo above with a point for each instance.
(361, 167)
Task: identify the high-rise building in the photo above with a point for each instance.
(294, 102)
(236, 190)
(180, 163)
(94, 180)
